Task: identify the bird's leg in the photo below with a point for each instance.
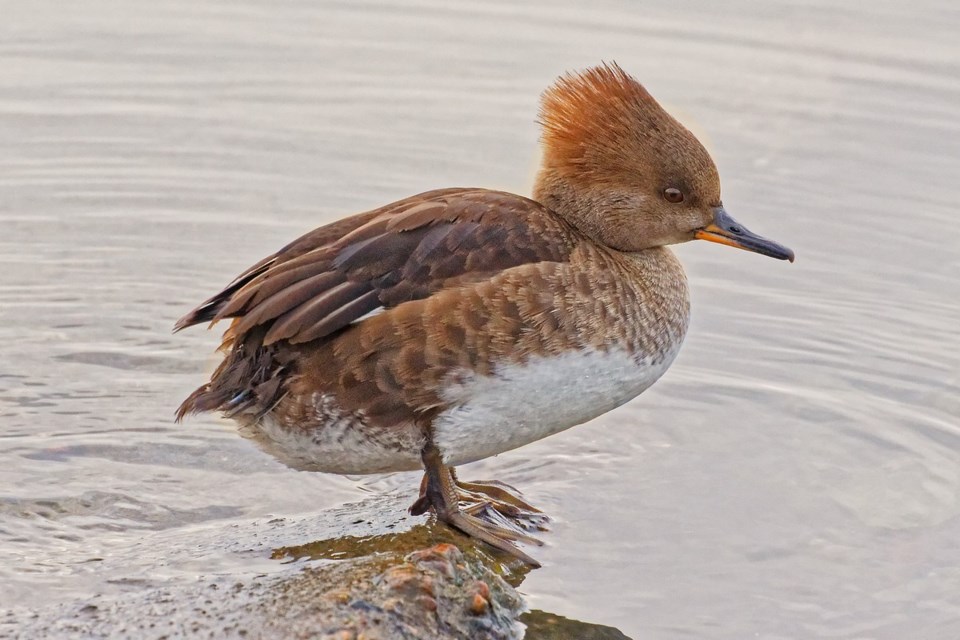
(439, 492)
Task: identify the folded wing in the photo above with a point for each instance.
(337, 274)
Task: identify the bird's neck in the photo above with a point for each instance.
(574, 204)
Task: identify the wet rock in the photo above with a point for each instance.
(426, 594)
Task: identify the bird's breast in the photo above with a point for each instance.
(623, 320)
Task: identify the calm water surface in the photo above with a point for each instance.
(795, 475)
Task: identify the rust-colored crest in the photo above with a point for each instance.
(567, 106)
(601, 121)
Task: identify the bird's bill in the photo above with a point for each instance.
(725, 230)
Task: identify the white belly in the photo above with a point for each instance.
(517, 405)
(523, 403)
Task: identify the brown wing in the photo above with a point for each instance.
(334, 275)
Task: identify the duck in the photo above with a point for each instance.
(461, 323)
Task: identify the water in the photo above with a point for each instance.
(797, 472)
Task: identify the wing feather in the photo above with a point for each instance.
(335, 275)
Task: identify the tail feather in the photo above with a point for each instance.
(250, 380)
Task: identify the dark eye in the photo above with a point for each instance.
(673, 195)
